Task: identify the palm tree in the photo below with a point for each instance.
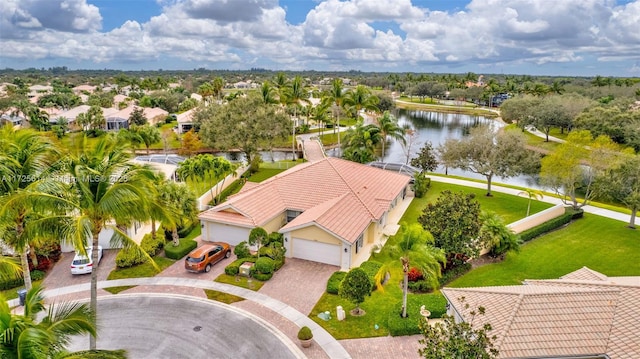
(296, 93)
(33, 336)
(532, 194)
(414, 249)
(25, 158)
(106, 192)
(389, 127)
(361, 142)
(336, 95)
(267, 92)
(180, 202)
(496, 236)
(360, 99)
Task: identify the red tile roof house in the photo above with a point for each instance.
(584, 314)
(120, 119)
(330, 211)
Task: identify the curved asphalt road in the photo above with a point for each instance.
(172, 326)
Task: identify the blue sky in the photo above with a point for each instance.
(538, 37)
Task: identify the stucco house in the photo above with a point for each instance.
(584, 314)
(120, 119)
(185, 121)
(330, 211)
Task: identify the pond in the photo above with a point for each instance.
(437, 127)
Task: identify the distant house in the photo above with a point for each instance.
(14, 120)
(70, 115)
(185, 121)
(120, 119)
(584, 314)
(330, 211)
(83, 89)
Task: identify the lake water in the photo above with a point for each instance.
(437, 127)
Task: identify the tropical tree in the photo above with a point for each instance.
(622, 184)
(359, 99)
(490, 154)
(458, 339)
(37, 334)
(138, 117)
(355, 287)
(268, 93)
(106, 191)
(361, 142)
(25, 160)
(336, 95)
(426, 159)
(180, 202)
(415, 249)
(454, 221)
(389, 127)
(256, 237)
(495, 234)
(148, 135)
(531, 194)
(92, 119)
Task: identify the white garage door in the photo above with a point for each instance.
(233, 235)
(316, 251)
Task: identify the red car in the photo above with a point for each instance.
(201, 259)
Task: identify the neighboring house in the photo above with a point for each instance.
(71, 114)
(584, 314)
(15, 121)
(37, 90)
(83, 89)
(185, 121)
(120, 119)
(330, 211)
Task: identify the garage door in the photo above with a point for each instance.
(316, 251)
(226, 233)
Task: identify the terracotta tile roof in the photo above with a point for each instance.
(340, 196)
(583, 313)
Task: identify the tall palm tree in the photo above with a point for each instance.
(26, 157)
(336, 95)
(361, 142)
(106, 191)
(532, 194)
(389, 127)
(267, 92)
(34, 336)
(414, 249)
(359, 99)
(296, 94)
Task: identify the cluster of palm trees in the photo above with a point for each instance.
(71, 195)
(335, 103)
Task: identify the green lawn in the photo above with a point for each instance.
(240, 281)
(602, 244)
(222, 297)
(264, 173)
(141, 270)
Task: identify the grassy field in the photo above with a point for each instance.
(602, 244)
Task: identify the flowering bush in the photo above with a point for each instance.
(414, 274)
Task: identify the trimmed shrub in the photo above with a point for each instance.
(184, 231)
(262, 276)
(242, 250)
(410, 325)
(454, 272)
(414, 274)
(185, 246)
(129, 257)
(150, 245)
(278, 264)
(420, 286)
(265, 265)
(371, 268)
(333, 284)
(37, 275)
(274, 237)
(548, 226)
(421, 184)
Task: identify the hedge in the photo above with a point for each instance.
(234, 267)
(17, 282)
(262, 276)
(184, 247)
(265, 265)
(129, 257)
(550, 225)
(453, 273)
(371, 268)
(333, 284)
(150, 245)
(410, 325)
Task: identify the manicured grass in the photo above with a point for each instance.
(538, 142)
(264, 173)
(141, 270)
(602, 244)
(222, 297)
(116, 290)
(286, 164)
(510, 208)
(240, 281)
(12, 293)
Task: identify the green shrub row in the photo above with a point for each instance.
(410, 325)
(421, 286)
(129, 257)
(371, 268)
(234, 267)
(241, 250)
(17, 282)
(182, 249)
(450, 274)
(262, 276)
(333, 284)
(548, 226)
(152, 245)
